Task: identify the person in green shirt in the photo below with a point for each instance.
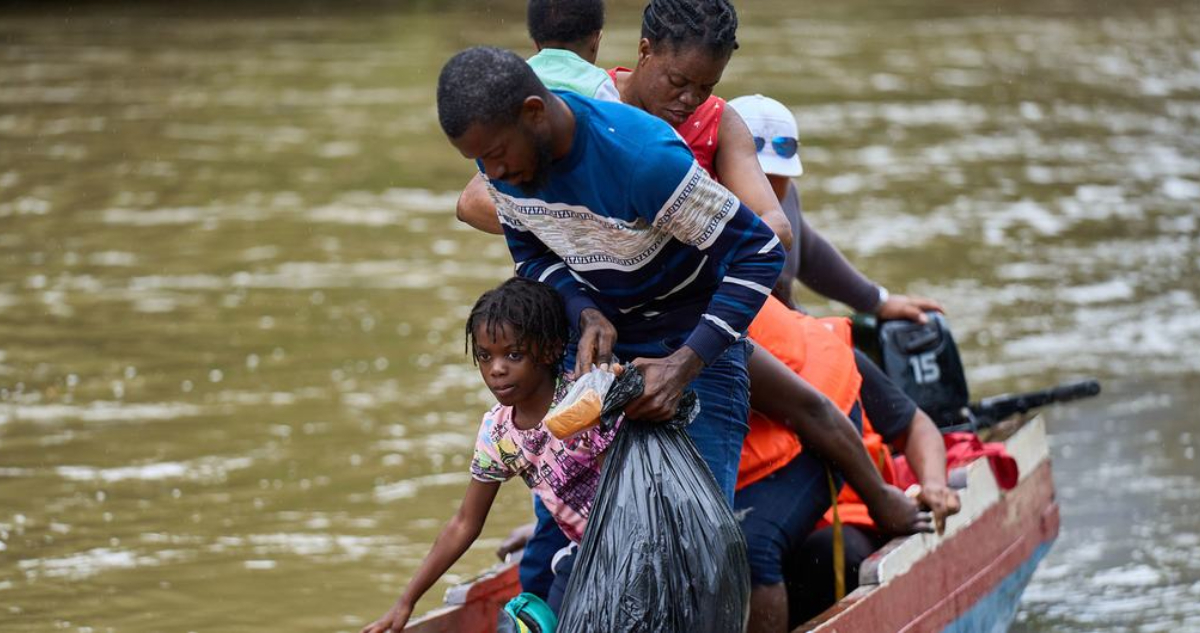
(567, 35)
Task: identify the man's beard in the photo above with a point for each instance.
(541, 171)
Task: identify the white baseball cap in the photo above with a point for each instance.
(768, 119)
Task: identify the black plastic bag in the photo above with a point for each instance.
(662, 551)
(628, 386)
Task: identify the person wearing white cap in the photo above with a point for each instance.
(812, 259)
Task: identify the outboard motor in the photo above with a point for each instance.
(924, 362)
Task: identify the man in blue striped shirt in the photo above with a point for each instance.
(656, 261)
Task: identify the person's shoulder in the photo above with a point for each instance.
(606, 90)
(792, 197)
(632, 127)
(563, 70)
(619, 118)
(558, 55)
(497, 421)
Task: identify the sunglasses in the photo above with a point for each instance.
(783, 146)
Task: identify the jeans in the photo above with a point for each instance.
(534, 570)
(809, 569)
(562, 577)
(723, 389)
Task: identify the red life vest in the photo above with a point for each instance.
(961, 449)
(817, 350)
(700, 130)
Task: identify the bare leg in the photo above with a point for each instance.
(768, 609)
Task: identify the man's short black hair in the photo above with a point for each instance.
(484, 85)
(565, 21)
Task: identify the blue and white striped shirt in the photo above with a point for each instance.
(630, 224)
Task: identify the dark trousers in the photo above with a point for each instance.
(779, 511)
(809, 570)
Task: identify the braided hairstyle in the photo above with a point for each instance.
(533, 311)
(710, 24)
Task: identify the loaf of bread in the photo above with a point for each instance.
(564, 422)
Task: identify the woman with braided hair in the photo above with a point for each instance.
(685, 47)
(682, 55)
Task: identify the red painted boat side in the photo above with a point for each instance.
(944, 584)
(476, 604)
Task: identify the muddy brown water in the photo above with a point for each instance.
(233, 394)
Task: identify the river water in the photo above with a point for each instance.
(233, 393)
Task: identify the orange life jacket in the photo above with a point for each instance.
(818, 351)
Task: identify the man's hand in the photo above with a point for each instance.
(596, 339)
(666, 379)
(516, 541)
(393, 621)
(905, 307)
(942, 501)
(895, 513)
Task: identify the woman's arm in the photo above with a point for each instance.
(777, 392)
(454, 540)
(737, 163)
(925, 451)
(824, 269)
(476, 207)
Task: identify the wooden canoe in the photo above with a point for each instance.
(968, 580)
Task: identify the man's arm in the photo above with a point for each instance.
(736, 161)
(753, 258)
(782, 395)
(535, 260)
(925, 451)
(702, 214)
(679, 197)
(476, 207)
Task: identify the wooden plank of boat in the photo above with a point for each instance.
(969, 579)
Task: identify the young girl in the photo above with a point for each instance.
(517, 334)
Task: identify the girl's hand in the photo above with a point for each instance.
(393, 621)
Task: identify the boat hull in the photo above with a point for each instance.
(969, 580)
